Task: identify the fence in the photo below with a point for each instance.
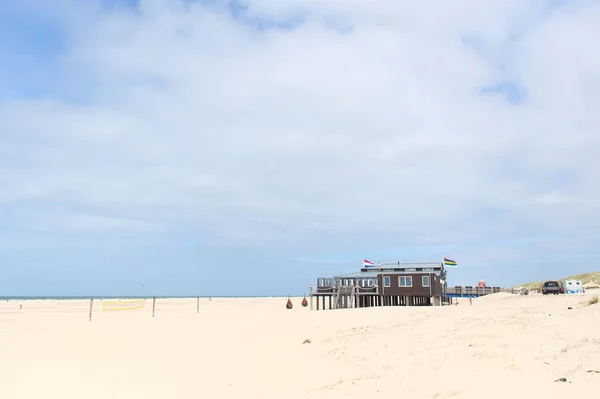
(479, 291)
(95, 306)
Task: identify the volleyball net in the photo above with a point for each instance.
(129, 304)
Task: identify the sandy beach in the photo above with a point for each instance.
(501, 345)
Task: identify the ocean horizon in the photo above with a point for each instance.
(77, 297)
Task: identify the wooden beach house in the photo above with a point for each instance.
(390, 284)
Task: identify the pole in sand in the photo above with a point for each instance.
(91, 305)
(153, 305)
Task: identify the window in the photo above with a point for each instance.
(324, 282)
(405, 281)
(425, 281)
(370, 282)
(387, 281)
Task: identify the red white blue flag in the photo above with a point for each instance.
(368, 263)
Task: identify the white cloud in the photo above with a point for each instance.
(304, 136)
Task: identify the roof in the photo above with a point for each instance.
(410, 264)
(360, 275)
(373, 274)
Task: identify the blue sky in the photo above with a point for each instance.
(246, 148)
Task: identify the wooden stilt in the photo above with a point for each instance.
(153, 305)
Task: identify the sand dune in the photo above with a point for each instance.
(501, 345)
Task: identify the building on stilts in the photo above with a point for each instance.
(388, 284)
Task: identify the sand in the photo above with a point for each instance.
(501, 345)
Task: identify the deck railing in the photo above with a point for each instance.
(326, 285)
(468, 290)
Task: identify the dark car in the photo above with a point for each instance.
(551, 287)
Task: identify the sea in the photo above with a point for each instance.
(63, 298)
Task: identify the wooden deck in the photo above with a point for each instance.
(353, 297)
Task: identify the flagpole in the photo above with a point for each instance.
(383, 286)
(445, 285)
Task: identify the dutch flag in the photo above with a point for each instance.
(368, 263)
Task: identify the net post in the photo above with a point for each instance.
(153, 305)
(91, 306)
(197, 304)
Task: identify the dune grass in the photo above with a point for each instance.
(591, 278)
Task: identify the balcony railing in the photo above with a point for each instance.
(468, 290)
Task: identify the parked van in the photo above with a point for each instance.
(573, 286)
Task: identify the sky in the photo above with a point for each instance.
(247, 148)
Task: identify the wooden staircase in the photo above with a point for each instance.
(341, 291)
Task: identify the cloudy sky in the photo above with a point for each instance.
(246, 148)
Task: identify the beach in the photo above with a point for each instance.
(503, 345)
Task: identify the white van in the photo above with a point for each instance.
(573, 287)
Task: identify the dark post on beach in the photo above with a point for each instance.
(153, 305)
(91, 305)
